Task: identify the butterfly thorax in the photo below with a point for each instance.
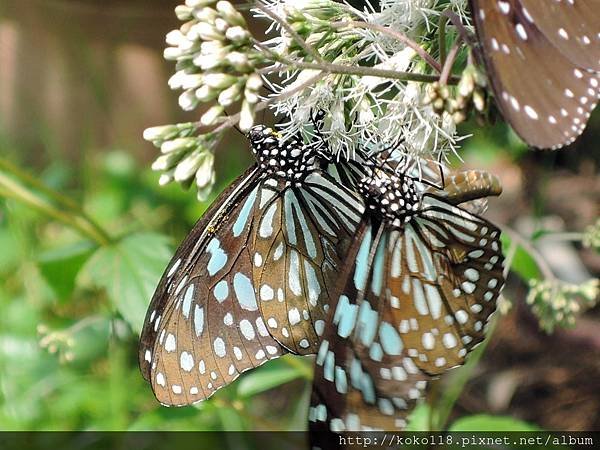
(393, 198)
(290, 159)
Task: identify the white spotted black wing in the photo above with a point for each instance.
(542, 60)
(249, 283)
(414, 303)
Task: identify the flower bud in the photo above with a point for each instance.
(188, 100)
(205, 172)
(162, 132)
(165, 162)
(219, 80)
(183, 12)
(221, 25)
(199, 3)
(186, 169)
(205, 93)
(239, 61)
(230, 95)
(207, 32)
(211, 115)
(178, 144)
(246, 116)
(237, 35)
(229, 13)
(174, 38)
(207, 15)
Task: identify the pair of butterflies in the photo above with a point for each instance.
(375, 270)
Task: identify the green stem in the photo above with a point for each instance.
(459, 381)
(396, 35)
(10, 188)
(294, 361)
(442, 38)
(366, 72)
(544, 267)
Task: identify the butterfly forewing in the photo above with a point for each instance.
(572, 26)
(542, 93)
(253, 278)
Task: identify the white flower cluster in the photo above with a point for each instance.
(556, 303)
(215, 59)
(185, 157)
(317, 60)
(369, 111)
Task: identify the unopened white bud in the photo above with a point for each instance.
(254, 82)
(174, 38)
(178, 144)
(172, 53)
(237, 34)
(205, 93)
(187, 168)
(188, 100)
(157, 133)
(221, 25)
(207, 15)
(239, 61)
(246, 116)
(204, 174)
(230, 95)
(229, 13)
(211, 115)
(183, 12)
(207, 32)
(199, 3)
(219, 80)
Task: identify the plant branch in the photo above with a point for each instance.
(532, 251)
(367, 72)
(442, 38)
(11, 188)
(396, 35)
(447, 70)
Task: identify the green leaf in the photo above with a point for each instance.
(420, 418)
(484, 422)
(129, 271)
(522, 264)
(267, 377)
(60, 266)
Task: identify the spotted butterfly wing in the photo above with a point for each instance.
(419, 288)
(250, 282)
(542, 60)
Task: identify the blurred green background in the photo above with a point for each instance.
(85, 233)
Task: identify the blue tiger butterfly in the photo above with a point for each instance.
(253, 278)
(421, 280)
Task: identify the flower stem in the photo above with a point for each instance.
(532, 251)
(73, 216)
(396, 35)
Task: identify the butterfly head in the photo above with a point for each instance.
(392, 197)
(290, 159)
